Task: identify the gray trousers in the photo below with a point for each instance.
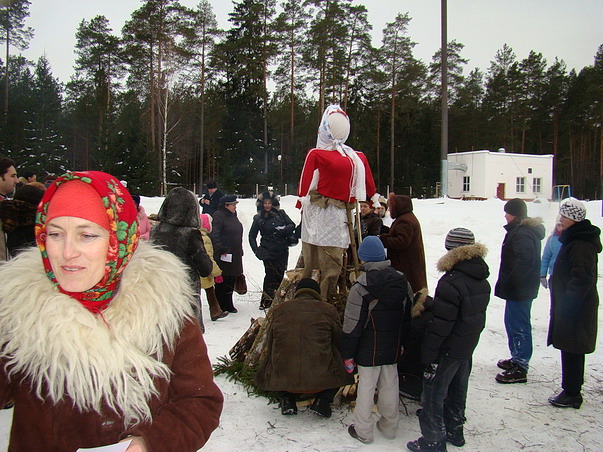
(385, 379)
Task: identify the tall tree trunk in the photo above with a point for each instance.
(292, 112)
(202, 119)
(6, 73)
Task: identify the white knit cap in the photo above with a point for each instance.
(573, 209)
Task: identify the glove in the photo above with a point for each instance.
(543, 282)
(349, 365)
(218, 279)
(430, 372)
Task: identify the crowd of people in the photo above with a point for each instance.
(117, 302)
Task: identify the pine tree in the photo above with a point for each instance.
(13, 32)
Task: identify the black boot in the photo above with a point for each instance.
(321, 406)
(564, 400)
(422, 445)
(454, 435)
(288, 405)
(516, 374)
(505, 364)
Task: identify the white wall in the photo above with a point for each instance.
(488, 169)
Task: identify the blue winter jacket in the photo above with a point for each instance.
(551, 249)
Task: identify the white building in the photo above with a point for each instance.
(486, 174)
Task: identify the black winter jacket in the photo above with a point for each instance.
(274, 227)
(519, 272)
(178, 232)
(377, 316)
(574, 296)
(227, 237)
(459, 307)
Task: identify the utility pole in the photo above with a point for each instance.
(444, 132)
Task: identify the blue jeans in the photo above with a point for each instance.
(444, 397)
(519, 331)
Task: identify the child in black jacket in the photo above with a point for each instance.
(459, 316)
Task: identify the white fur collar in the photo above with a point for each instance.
(51, 339)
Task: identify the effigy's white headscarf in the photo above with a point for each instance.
(327, 141)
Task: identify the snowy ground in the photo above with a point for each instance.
(499, 417)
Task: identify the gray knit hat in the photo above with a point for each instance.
(458, 237)
(573, 209)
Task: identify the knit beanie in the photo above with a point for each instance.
(573, 209)
(78, 199)
(371, 249)
(459, 237)
(516, 207)
(308, 283)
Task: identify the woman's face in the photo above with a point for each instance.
(267, 205)
(77, 251)
(232, 207)
(565, 222)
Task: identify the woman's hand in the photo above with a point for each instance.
(137, 445)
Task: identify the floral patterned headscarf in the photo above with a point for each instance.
(123, 235)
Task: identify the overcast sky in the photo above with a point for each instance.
(569, 30)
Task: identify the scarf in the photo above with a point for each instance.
(123, 235)
(326, 141)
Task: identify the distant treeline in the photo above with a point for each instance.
(174, 100)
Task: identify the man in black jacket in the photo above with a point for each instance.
(459, 316)
(210, 199)
(518, 283)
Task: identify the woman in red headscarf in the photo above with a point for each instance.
(98, 341)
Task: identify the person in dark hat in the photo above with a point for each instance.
(459, 317)
(574, 299)
(517, 284)
(274, 226)
(227, 237)
(211, 198)
(302, 355)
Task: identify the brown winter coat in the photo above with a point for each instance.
(404, 242)
(303, 347)
(146, 357)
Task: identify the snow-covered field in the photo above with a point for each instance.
(499, 417)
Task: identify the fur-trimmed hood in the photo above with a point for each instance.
(462, 254)
(421, 301)
(535, 225)
(53, 341)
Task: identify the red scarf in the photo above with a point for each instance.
(123, 235)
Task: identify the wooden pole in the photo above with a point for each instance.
(352, 240)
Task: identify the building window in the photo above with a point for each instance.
(537, 184)
(466, 183)
(520, 185)
(529, 170)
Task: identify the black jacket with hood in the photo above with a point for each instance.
(274, 227)
(459, 305)
(178, 232)
(519, 272)
(377, 316)
(574, 296)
